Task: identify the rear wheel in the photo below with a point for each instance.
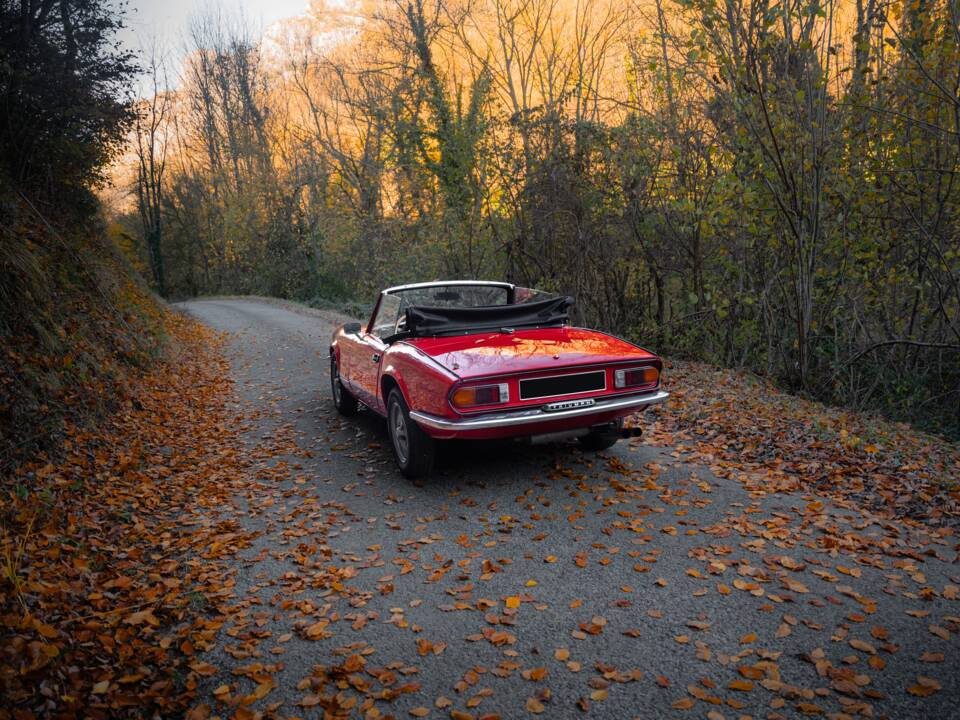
(602, 439)
(343, 401)
(413, 449)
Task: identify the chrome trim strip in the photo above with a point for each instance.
(600, 371)
(441, 283)
(525, 417)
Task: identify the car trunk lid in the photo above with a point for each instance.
(523, 351)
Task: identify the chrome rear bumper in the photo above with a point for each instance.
(535, 415)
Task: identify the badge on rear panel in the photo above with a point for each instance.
(568, 405)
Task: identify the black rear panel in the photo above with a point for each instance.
(423, 321)
(562, 385)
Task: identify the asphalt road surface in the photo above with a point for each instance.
(541, 581)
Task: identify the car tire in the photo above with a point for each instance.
(413, 449)
(345, 403)
(597, 440)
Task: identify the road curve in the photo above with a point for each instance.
(647, 587)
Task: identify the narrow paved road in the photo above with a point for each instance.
(541, 581)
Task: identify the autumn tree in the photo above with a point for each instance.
(60, 68)
(151, 129)
(767, 185)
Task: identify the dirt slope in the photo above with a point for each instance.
(76, 322)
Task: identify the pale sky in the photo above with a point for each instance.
(169, 19)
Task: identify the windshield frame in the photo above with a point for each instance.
(456, 283)
(516, 295)
(399, 289)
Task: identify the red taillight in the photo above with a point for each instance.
(634, 377)
(480, 395)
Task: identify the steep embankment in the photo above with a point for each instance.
(76, 323)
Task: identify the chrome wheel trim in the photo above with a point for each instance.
(398, 432)
(335, 382)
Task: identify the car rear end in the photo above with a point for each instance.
(540, 382)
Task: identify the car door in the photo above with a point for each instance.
(350, 350)
(365, 365)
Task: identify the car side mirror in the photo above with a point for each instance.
(351, 328)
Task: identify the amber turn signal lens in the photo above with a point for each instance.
(480, 395)
(634, 377)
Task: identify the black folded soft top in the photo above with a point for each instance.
(426, 321)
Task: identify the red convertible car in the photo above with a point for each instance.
(486, 360)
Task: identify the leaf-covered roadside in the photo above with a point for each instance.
(110, 580)
(746, 429)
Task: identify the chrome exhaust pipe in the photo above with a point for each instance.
(631, 432)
